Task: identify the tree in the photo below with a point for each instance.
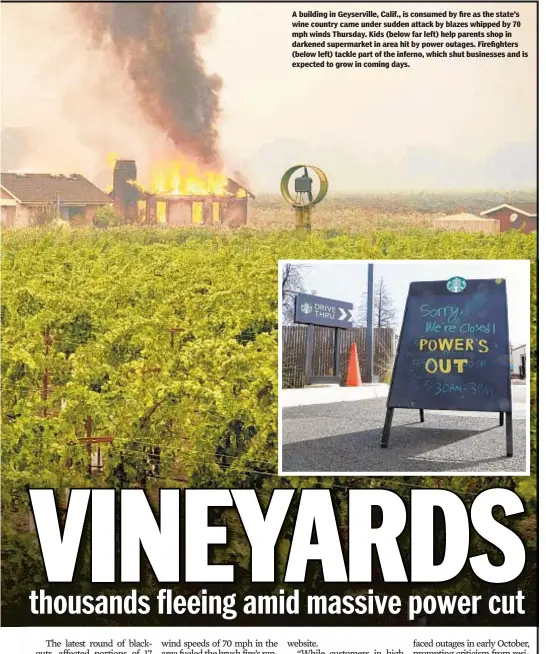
(384, 311)
(105, 217)
(384, 317)
(292, 284)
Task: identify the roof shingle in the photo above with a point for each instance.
(40, 187)
(528, 207)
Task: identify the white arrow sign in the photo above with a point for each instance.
(315, 310)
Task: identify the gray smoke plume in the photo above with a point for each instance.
(157, 43)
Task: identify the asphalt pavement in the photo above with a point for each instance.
(344, 437)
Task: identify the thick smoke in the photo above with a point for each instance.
(157, 44)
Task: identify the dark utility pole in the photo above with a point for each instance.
(369, 327)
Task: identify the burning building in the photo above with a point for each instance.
(180, 196)
(156, 44)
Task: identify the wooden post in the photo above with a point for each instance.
(303, 219)
(309, 353)
(421, 415)
(45, 378)
(173, 331)
(337, 340)
(88, 430)
(501, 418)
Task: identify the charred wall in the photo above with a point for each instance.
(201, 210)
(124, 192)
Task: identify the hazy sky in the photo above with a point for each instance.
(348, 280)
(442, 123)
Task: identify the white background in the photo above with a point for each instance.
(329, 640)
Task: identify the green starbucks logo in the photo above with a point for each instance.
(456, 284)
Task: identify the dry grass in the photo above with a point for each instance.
(344, 214)
(398, 210)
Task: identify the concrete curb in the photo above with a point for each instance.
(305, 396)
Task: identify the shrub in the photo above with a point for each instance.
(105, 217)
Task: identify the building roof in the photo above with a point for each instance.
(233, 187)
(47, 188)
(528, 209)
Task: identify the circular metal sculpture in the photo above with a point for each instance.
(303, 198)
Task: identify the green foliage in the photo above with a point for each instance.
(94, 311)
(206, 390)
(105, 217)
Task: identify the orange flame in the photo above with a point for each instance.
(187, 179)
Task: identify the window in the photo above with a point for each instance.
(197, 213)
(161, 212)
(142, 210)
(215, 213)
(8, 216)
(74, 212)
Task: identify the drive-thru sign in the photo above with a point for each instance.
(325, 312)
(315, 310)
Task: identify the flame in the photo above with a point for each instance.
(187, 179)
(112, 158)
(184, 179)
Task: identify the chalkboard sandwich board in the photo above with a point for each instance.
(453, 352)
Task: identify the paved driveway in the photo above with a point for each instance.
(344, 437)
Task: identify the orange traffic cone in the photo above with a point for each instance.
(353, 374)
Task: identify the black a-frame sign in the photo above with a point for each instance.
(454, 351)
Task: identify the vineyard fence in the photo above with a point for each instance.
(294, 340)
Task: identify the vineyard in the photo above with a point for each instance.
(159, 348)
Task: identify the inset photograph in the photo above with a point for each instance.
(404, 367)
